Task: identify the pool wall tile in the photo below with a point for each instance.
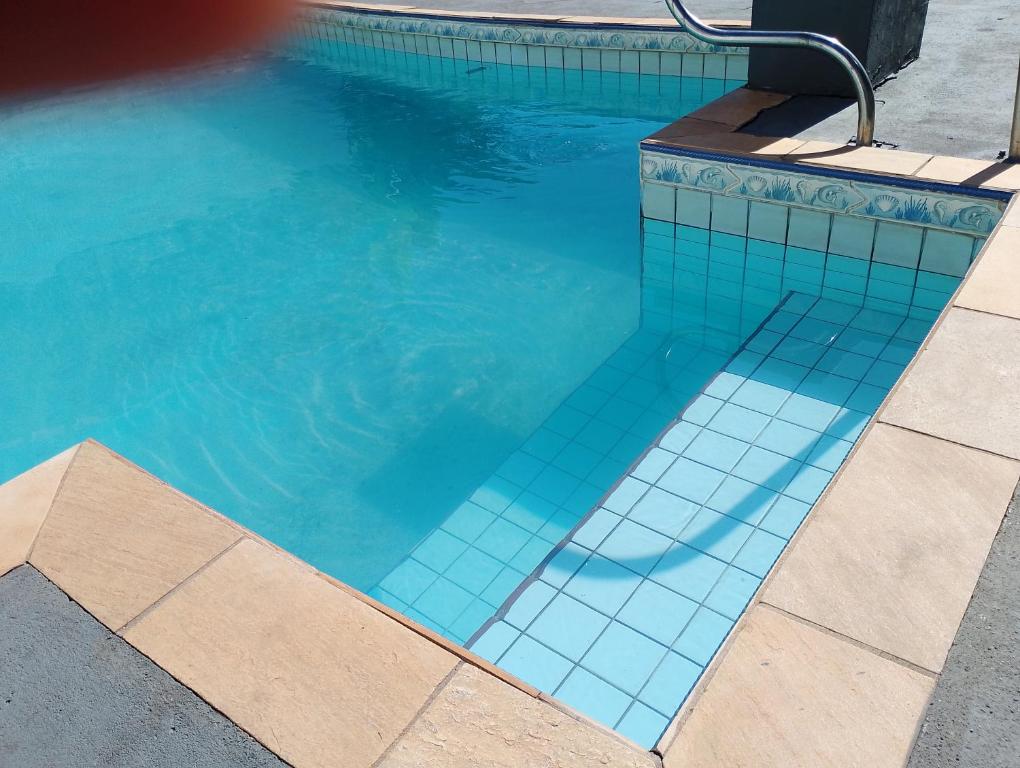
(605, 46)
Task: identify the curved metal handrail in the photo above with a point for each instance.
(830, 45)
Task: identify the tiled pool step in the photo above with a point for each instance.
(625, 617)
(457, 578)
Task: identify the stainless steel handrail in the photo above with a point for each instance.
(830, 45)
(1013, 154)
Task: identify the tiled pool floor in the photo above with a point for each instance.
(625, 617)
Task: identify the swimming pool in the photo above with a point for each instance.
(409, 268)
(426, 328)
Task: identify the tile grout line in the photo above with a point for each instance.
(957, 305)
(880, 420)
(187, 580)
(49, 508)
(420, 711)
(853, 641)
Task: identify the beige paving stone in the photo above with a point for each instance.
(965, 386)
(621, 21)
(117, 539)
(738, 107)
(737, 143)
(955, 170)
(994, 285)
(313, 673)
(787, 695)
(891, 555)
(892, 161)
(1007, 176)
(477, 721)
(24, 502)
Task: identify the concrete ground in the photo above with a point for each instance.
(956, 99)
(974, 716)
(72, 694)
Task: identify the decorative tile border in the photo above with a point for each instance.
(637, 48)
(854, 194)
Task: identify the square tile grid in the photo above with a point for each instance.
(667, 565)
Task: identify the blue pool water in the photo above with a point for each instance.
(328, 298)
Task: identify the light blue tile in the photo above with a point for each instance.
(687, 571)
(642, 725)
(808, 412)
(535, 664)
(808, 229)
(655, 462)
(657, 612)
(408, 580)
(443, 601)
(898, 244)
(566, 421)
(946, 252)
(779, 373)
(521, 468)
(494, 642)
(567, 626)
(790, 440)
(416, 615)
(602, 585)
(599, 435)
(833, 311)
(702, 637)
(732, 592)
(594, 697)
(587, 399)
(554, 485)
(764, 341)
(577, 460)
(626, 495)
(502, 540)
(439, 550)
(583, 498)
(385, 597)
(827, 387)
(691, 480)
(693, 208)
(884, 374)
(634, 546)
(767, 221)
(723, 385)
(738, 422)
(719, 535)
(742, 500)
(596, 528)
(663, 512)
(716, 450)
(808, 484)
(771, 470)
(848, 424)
(759, 553)
(729, 215)
(829, 453)
(495, 494)
(852, 236)
(843, 363)
(473, 617)
(670, 683)
(620, 413)
(899, 351)
(658, 201)
(867, 398)
(501, 587)
(564, 564)
(861, 342)
(702, 410)
(624, 658)
(529, 511)
(557, 526)
(531, 554)
(759, 396)
(474, 570)
(794, 350)
(545, 444)
(745, 363)
(785, 516)
(679, 437)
